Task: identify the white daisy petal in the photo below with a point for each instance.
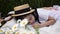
(24, 22)
(15, 27)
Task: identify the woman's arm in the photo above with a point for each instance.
(49, 22)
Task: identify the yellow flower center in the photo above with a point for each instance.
(1, 31)
(7, 33)
(30, 32)
(24, 33)
(23, 22)
(14, 27)
(17, 33)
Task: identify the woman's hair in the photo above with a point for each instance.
(36, 16)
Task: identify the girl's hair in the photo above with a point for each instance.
(35, 14)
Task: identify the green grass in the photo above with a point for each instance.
(8, 5)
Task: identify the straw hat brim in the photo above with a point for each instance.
(32, 10)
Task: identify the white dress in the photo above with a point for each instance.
(43, 16)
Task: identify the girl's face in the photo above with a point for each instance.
(30, 18)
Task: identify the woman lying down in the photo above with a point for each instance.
(45, 17)
(42, 16)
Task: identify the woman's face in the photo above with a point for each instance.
(30, 18)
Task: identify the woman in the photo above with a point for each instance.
(47, 16)
(24, 11)
(45, 19)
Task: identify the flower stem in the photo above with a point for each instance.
(37, 30)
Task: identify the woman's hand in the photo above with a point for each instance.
(36, 25)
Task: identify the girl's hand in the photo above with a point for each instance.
(36, 25)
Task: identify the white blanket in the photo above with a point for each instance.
(10, 23)
(54, 29)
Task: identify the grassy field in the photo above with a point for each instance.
(8, 5)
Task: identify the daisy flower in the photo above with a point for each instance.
(15, 27)
(24, 22)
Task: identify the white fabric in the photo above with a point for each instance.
(53, 29)
(11, 12)
(7, 18)
(43, 14)
(10, 23)
(55, 15)
(56, 7)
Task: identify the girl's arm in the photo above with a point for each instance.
(49, 22)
